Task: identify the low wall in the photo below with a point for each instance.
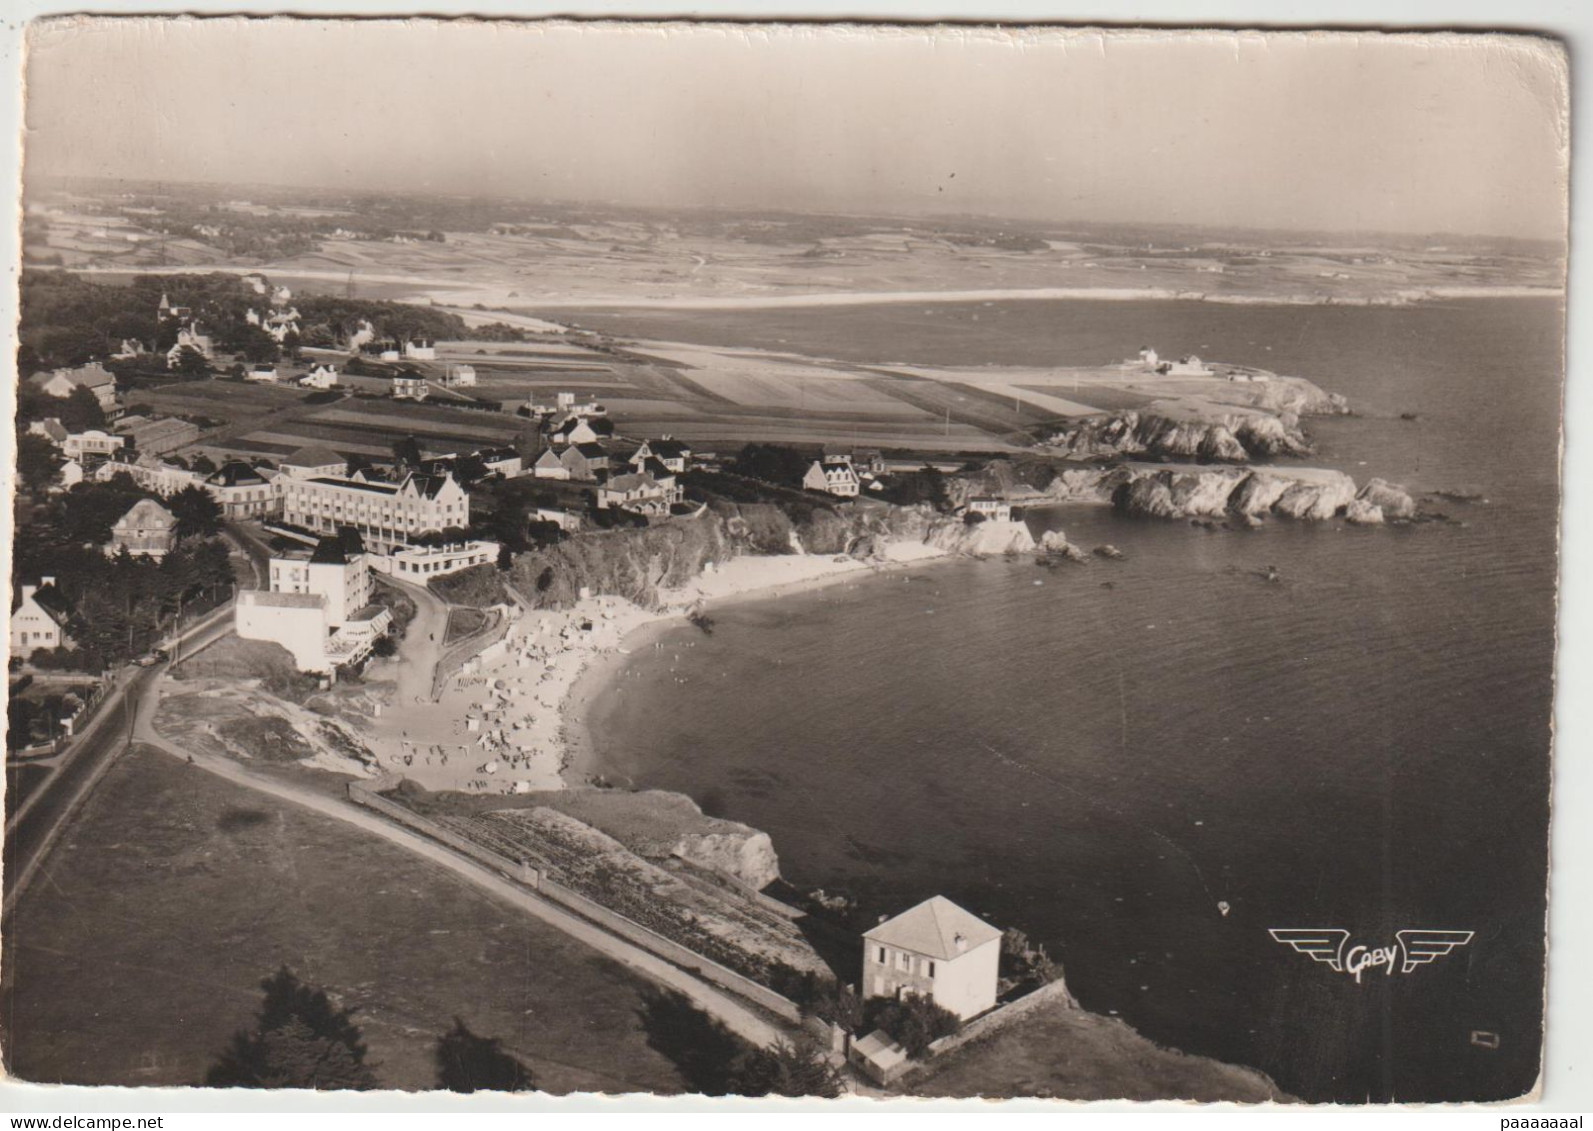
(1000, 1018)
(532, 878)
(457, 655)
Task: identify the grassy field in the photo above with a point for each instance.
(1058, 1052)
(173, 893)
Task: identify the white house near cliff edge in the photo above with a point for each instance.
(935, 949)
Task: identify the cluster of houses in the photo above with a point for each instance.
(1149, 362)
(40, 618)
(647, 481)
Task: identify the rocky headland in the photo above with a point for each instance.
(1232, 421)
(1184, 491)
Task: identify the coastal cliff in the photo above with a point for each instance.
(637, 563)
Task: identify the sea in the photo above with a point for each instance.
(1149, 764)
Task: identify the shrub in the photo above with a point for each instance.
(913, 1022)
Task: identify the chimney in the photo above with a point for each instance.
(43, 581)
(882, 918)
(960, 943)
(28, 591)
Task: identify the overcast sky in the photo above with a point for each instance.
(1415, 134)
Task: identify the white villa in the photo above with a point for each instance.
(320, 377)
(459, 377)
(420, 349)
(936, 949)
(668, 451)
(996, 510)
(834, 474)
(409, 387)
(639, 492)
(189, 337)
(39, 620)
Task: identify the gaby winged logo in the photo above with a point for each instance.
(1330, 946)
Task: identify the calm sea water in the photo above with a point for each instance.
(1102, 757)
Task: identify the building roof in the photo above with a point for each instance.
(92, 376)
(282, 600)
(52, 429)
(235, 473)
(429, 486)
(147, 512)
(668, 449)
(549, 458)
(634, 482)
(657, 470)
(358, 485)
(879, 1049)
(337, 549)
(50, 599)
(934, 928)
(315, 455)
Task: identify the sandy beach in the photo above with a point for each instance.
(514, 719)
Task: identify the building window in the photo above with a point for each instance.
(882, 958)
(930, 962)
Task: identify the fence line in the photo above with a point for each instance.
(522, 872)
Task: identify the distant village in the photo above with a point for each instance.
(334, 520)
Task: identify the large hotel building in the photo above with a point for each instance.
(387, 515)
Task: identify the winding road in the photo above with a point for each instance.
(717, 1004)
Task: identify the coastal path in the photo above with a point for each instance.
(422, 646)
(717, 1004)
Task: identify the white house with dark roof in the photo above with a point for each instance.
(584, 461)
(936, 950)
(834, 475)
(39, 619)
(672, 453)
(574, 430)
